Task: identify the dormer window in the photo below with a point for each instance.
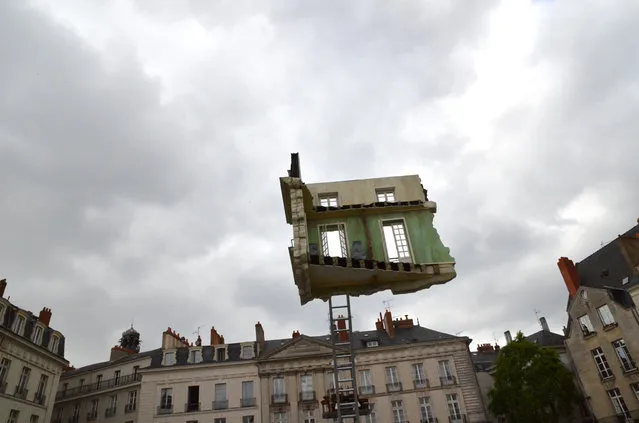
(169, 358)
(248, 352)
(37, 334)
(220, 354)
(372, 343)
(195, 355)
(386, 195)
(18, 324)
(54, 343)
(328, 200)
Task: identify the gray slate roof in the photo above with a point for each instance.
(104, 364)
(233, 354)
(545, 338)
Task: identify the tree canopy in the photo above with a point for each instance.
(531, 384)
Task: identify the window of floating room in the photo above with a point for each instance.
(397, 249)
(328, 200)
(386, 195)
(333, 239)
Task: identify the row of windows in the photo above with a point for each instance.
(220, 401)
(331, 199)
(14, 417)
(21, 389)
(625, 359)
(618, 403)
(195, 355)
(605, 317)
(19, 325)
(93, 407)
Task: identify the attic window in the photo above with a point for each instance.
(195, 355)
(386, 195)
(18, 324)
(37, 334)
(328, 200)
(624, 280)
(220, 354)
(247, 352)
(169, 358)
(372, 343)
(54, 343)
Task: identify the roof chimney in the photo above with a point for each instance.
(216, 338)
(296, 334)
(341, 327)
(509, 338)
(259, 337)
(45, 316)
(3, 286)
(544, 324)
(388, 324)
(570, 275)
(379, 324)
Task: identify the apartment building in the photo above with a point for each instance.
(408, 373)
(602, 333)
(216, 383)
(104, 392)
(31, 361)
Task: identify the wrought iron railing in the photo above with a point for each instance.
(220, 404)
(98, 386)
(247, 402)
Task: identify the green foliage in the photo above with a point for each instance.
(531, 384)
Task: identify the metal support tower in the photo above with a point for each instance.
(344, 373)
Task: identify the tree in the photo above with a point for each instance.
(531, 384)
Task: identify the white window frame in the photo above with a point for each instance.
(25, 375)
(454, 408)
(54, 343)
(220, 392)
(365, 379)
(584, 320)
(419, 374)
(170, 358)
(399, 414)
(279, 389)
(330, 380)
(371, 417)
(37, 337)
(42, 385)
(5, 365)
(19, 323)
(308, 416)
(605, 316)
(618, 403)
(344, 247)
(389, 222)
(328, 196)
(14, 416)
(195, 355)
(306, 386)
(252, 389)
(382, 195)
(113, 402)
(95, 403)
(601, 362)
(426, 410)
(280, 417)
(635, 389)
(446, 370)
(625, 359)
(166, 398)
(132, 398)
(247, 348)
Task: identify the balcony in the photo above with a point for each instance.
(394, 387)
(98, 386)
(191, 407)
(74, 419)
(247, 402)
(308, 396)
(366, 390)
(21, 392)
(448, 380)
(279, 399)
(110, 412)
(166, 409)
(421, 383)
(92, 415)
(130, 407)
(429, 420)
(40, 398)
(460, 418)
(220, 404)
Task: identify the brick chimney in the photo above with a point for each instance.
(388, 324)
(570, 275)
(172, 339)
(379, 324)
(118, 352)
(296, 334)
(544, 324)
(45, 316)
(259, 337)
(216, 338)
(341, 324)
(3, 286)
(405, 323)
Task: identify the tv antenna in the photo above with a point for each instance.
(388, 304)
(197, 332)
(536, 313)
(459, 333)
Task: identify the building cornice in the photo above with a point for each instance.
(27, 344)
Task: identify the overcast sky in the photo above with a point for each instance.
(141, 144)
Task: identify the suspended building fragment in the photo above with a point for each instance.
(363, 236)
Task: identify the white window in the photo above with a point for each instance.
(166, 398)
(365, 382)
(113, 402)
(248, 419)
(248, 397)
(309, 416)
(330, 380)
(398, 412)
(333, 238)
(279, 390)
(37, 335)
(13, 416)
(635, 389)
(169, 358)
(328, 200)
(446, 373)
(419, 376)
(371, 418)
(221, 400)
(306, 383)
(248, 352)
(132, 399)
(5, 363)
(426, 410)
(370, 344)
(195, 356)
(42, 387)
(396, 241)
(386, 195)
(586, 325)
(602, 363)
(392, 379)
(454, 411)
(618, 403)
(18, 324)
(605, 315)
(624, 355)
(23, 381)
(94, 406)
(116, 377)
(279, 417)
(54, 343)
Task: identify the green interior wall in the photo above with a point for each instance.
(424, 240)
